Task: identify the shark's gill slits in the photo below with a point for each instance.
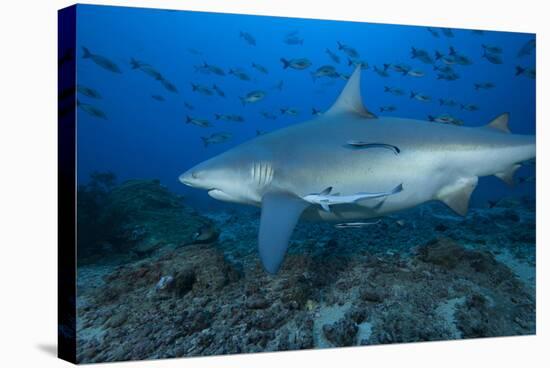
(262, 173)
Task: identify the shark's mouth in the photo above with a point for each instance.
(220, 195)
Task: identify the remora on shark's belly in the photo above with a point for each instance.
(277, 170)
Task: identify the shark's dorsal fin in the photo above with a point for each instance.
(280, 213)
(326, 191)
(457, 195)
(350, 100)
(500, 123)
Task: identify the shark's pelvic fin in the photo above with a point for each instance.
(325, 206)
(500, 123)
(507, 175)
(350, 100)
(280, 213)
(457, 195)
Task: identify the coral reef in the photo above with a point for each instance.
(425, 275)
(132, 220)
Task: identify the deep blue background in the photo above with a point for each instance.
(144, 138)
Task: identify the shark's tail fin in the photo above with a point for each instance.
(86, 52)
(218, 116)
(194, 86)
(350, 62)
(243, 100)
(431, 118)
(413, 94)
(204, 141)
(188, 119)
(438, 55)
(386, 66)
(285, 62)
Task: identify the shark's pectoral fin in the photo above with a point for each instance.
(457, 195)
(350, 100)
(280, 213)
(507, 175)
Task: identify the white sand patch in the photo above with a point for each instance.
(446, 311)
(327, 315)
(365, 330)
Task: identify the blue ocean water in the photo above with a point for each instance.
(146, 138)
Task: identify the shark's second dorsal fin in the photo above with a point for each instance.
(500, 123)
(350, 98)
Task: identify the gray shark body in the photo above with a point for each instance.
(436, 162)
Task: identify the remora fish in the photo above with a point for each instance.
(325, 199)
(365, 145)
(355, 225)
(275, 171)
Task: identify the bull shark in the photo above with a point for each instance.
(437, 162)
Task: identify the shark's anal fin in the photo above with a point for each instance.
(507, 175)
(350, 100)
(280, 213)
(457, 195)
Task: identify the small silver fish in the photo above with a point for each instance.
(492, 49)
(350, 51)
(202, 89)
(260, 68)
(420, 97)
(469, 107)
(289, 111)
(229, 117)
(248, 38)
(298, 64)
(333, 56)
(239, 73)
(203, 123)
(526, 72)
(394, 91)
(527, 48)
(100, 60)
(91, 110)
(87, 91)
(252, 97)
(216, 138)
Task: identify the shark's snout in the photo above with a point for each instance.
(189, 178)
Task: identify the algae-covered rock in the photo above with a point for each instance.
(341, 333)
(135, 218)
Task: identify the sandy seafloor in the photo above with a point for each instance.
(421, 275)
